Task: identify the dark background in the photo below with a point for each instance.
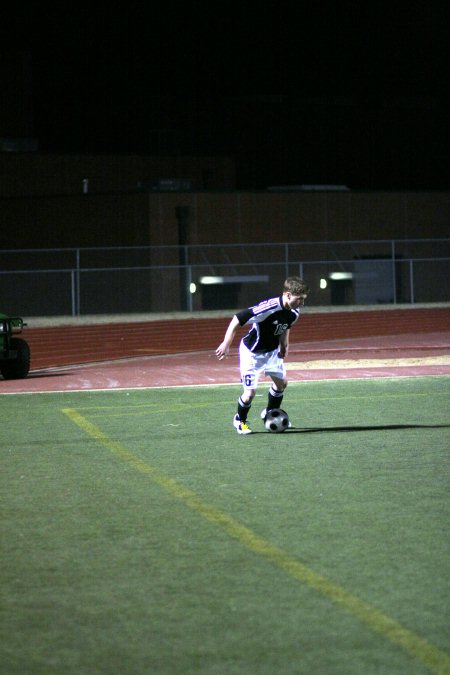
(326, 93)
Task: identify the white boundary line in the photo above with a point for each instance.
(209, 385)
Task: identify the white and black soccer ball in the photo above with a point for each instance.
(276, 420)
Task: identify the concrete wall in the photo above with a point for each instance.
(42, 204)
(255, 217)
(220, 217)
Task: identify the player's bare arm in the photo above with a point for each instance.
(224, 347)
(284, 345)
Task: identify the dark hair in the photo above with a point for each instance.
(296, 286)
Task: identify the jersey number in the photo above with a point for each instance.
(249, 381)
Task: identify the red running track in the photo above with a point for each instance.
(67, 345)
(165, 352)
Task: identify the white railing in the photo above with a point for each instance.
(78, 281)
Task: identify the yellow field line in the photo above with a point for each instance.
(428, 654)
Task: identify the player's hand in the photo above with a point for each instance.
(222, 351)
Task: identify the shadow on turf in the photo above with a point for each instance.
(382, 427)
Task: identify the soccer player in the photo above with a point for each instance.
(264, 347)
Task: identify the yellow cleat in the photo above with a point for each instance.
(241, 427)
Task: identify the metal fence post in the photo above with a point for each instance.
(77, 302)
(73, 292)
(182, 214)
(394, 279)
(188, 286)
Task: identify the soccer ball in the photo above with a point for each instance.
(276, 421)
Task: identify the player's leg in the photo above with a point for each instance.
(276, 393)
(249, 379)
(274, 396)
(276, 370)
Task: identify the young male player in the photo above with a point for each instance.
(264, 347)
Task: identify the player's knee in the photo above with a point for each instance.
(280, 386)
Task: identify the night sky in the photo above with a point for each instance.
(336, 93)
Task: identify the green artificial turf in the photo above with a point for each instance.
(141, 534)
